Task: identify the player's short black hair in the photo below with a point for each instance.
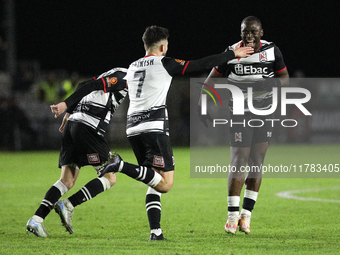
(154, 34)
(252, 18)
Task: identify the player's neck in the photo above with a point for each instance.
(154, 53)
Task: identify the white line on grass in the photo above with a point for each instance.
(290, 195)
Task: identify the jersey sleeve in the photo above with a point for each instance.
(109, 83)
(114, 82)
(176, 66)
(279, 64)
(75, 97)
(223, 68)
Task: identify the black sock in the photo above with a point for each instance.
(89, 191)
(153, 208)
(248, 204)
(51, 197)
(141, 173)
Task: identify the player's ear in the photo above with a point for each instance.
(161, 48)
(261, 32)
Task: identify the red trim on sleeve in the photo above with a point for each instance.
(281, 70)
(104, 84)
(185, 68)
(95, 78)
(217, 71)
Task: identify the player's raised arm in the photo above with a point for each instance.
(175, 66)
(218, 59)
(108, 83)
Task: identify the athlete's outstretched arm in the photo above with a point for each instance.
(218, 59)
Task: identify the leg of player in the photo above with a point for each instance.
(69, 175)
(239, 159)
(253, 183)
(159, 180)
(65, 207)
(153, 203)
(153, 208)
(166, 182)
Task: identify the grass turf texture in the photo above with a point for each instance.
(193, 212)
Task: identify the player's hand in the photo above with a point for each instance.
(61, 129)
(242, 52)
(204, 118)
(58, 109)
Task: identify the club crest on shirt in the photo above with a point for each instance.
(238, 137)
(158, 161)
(93, 158)
(263, 56)
(180, 61)
(111, 81)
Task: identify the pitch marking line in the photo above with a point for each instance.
(291, 195)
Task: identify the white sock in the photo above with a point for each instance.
(61, 186)
(105, 182)
(245, 212)
(157, 231)
(37, 219)
(233, 201)
(251, 194)
(120, 166)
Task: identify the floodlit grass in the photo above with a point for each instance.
(193, 212)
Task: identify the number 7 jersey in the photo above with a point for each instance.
(149, 79)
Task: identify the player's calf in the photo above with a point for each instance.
(140, 173)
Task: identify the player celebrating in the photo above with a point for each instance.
(89, 111)
(149, 80)
(249, 145)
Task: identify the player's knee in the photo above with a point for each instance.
(111, 177)
(69, 183)
(164, 187)
(239, 158)
(163, 190)
(257, 159)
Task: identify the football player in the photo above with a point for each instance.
(89, 111)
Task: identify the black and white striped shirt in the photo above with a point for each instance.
(94, 101)
(243, 71)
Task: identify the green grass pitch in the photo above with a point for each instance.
(193, 212)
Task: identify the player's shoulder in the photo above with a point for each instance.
(233, 46)
(267, 45)
(114, 71)
(270, 45)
